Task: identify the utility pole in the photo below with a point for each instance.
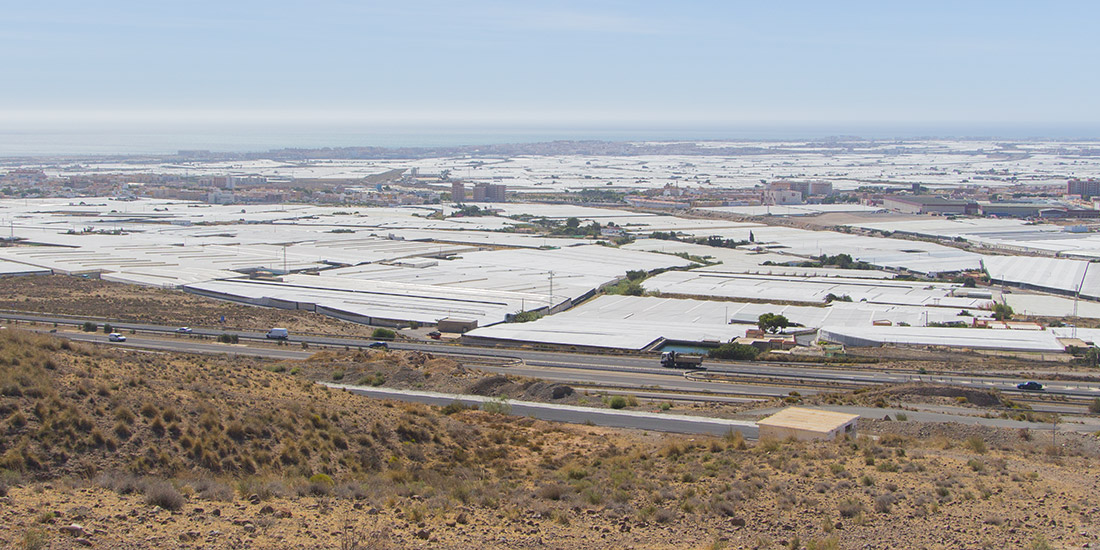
(284, 259)
(550, 309)
(1077, 296)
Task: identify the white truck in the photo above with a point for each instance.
(278, 334)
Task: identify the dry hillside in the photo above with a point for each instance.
(110, 448)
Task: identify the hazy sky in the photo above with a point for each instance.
(550, 63)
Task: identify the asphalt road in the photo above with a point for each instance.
(611, 418)
(633, 370)
(546, 411)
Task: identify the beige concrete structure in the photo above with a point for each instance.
(807, 424)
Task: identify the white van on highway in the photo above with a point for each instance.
(278, 334)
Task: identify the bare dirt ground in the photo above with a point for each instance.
(99, 300)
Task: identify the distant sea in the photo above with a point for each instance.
(106, 142)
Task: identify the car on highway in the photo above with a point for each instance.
(435, 335)
(378, 345)
(184, 330)
(116, 337)
(1029, 386)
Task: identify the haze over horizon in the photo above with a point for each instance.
(143, 76)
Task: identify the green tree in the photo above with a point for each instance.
(771, 322)
(573, 223)
(1002, 311)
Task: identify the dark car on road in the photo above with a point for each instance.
(378, 345)
(1029, 386)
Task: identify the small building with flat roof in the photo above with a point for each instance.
(807, 424)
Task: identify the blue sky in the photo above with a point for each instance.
(593, 63)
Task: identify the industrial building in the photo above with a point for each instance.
(928, 204)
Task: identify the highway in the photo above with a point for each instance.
(616, 371)
(641, 420)
(593, 370)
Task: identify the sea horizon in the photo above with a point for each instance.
(260, 139)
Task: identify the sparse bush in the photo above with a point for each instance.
(664, 515)
(617, 402)
(1094, 406)
(828, 543)
(149, 410)
(89, 326)
(227, 338)
(383, 334)
(849, 507)
(1040, 543)
(209, 489)
(976, 444)
(35, 539)
(453, 407)
(553, 491)
(499, 405)
(163, 494)
(736, 440)
(372, 379)
(884, 502)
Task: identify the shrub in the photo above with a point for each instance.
(884, 502)
(617, 402)
(373, 379)
(321, 478)
(453, 407)
(736, 352)
(89, 326)
(553, 491)
(664, 515)
(227, 338)
(736, 440)
(849, 507)
(107, 328)
(35, 539)
(163, 494)
(383, 334)
(976, 444)
(497, 406)
(1094, 407)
